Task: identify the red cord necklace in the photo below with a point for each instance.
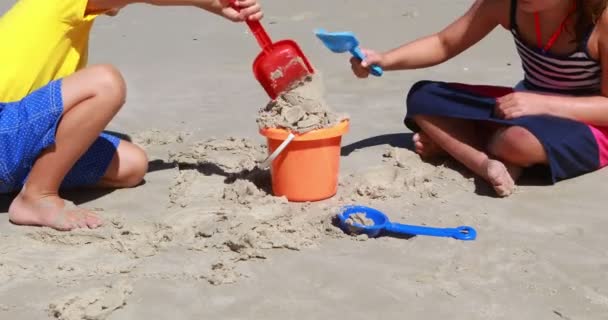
(557, 32)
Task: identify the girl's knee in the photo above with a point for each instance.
(515, 145)
(420, 118)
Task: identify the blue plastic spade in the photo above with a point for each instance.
(340, 42)
(383, 224)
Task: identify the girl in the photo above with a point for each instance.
(557, 118)
(55, 108)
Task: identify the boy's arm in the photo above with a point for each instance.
(249, 8)
(107, 4)
(461, 34)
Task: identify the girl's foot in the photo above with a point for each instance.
(501, 177)
(425, 147)
(52, 212)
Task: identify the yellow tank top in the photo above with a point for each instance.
(42, 40)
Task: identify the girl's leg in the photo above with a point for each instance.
(426, 147)
(459, 139)
(517, 146)
(91, 98)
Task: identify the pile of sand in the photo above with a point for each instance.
(158, 137)
(403, 175)
(226, 212)
(359, 219)
(220, 215)
(301, 109)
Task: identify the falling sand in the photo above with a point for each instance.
(301, 109)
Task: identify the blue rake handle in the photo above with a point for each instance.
(375, 69)
(460, 233)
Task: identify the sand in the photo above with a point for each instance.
(204, 237)
(92, 304)
(300, 109)
(359, 219)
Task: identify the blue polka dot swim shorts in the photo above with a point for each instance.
(28, 126)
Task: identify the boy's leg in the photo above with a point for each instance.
(108, 163)
(127, 168)
(91, 98)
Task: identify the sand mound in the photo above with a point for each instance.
(221, 215)
(222, 156)
(158, 137)
(403, 175)
(300, 109)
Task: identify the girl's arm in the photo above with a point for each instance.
(481, 18)
(592, 110)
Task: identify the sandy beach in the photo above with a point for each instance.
(201, 240)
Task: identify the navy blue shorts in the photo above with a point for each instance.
(28, 126)
(573, 148)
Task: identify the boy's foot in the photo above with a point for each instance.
(425, 147)
(501, 177)
(52, 212)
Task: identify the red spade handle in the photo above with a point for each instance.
(256, 28)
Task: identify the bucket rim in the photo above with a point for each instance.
(318, 134)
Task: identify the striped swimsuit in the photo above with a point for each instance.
(575, 74)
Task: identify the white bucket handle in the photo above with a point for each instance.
(266, 163)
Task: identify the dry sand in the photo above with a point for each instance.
(203, 238)
(359, 219)
(300, 109)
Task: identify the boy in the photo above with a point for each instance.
(53, 109)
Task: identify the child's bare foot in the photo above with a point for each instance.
(501, 177)
(51, 211)
(426, 147)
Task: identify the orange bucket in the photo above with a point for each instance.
(308, 168)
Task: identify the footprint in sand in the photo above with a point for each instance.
(138, 241)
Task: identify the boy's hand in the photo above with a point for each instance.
(249, 10)
(112, 12)
(361, 68)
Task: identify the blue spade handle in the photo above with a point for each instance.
(460, 233)
(375, 69)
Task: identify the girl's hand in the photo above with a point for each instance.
(519, 104)
(361, 68)
(249, 10)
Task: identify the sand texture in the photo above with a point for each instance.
(204, 238)
(92, 304)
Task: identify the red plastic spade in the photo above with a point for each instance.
(280, 65)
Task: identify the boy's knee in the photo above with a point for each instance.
(110, 82)
(136, 163)
(128, 168)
